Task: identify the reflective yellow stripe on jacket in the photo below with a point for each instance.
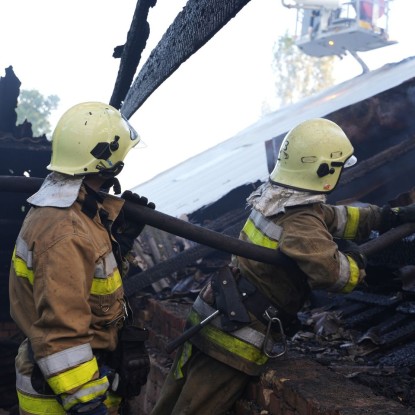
(229, 342)
(37, 405)
(262, 231)
(74, 377)
(241, 349)
(352, 224)
(354, 274)
(107, 278)
(348, 221)
(22, 261)
(86, 393)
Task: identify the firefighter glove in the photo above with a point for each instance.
(404, 214)
(396, 216)
(132, 361)
(126, 231)
(352, 250)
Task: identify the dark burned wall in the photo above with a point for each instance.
(375, 126)
(20, 153)
(9, 92)
(379, 122)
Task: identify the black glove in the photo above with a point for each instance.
(396, 216)
(132, 361)
(126, 231)
(353, 250)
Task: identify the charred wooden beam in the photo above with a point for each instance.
(9, 93)
(388, 155)
(401, 357)
(373, 299)
(137, 282)
(377, 177)
(367, 316)
(193, 27)
(399, 335)
(130, 53)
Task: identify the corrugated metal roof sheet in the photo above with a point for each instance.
(241, 159)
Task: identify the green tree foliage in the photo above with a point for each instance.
(36, 108)
(299, 75)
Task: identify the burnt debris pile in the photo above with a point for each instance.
(369, 335)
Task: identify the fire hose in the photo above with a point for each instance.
(201, 235)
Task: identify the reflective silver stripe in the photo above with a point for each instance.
(24, 385)
(266, 226)
(105, 266)
(22, 251)
(93, 390)
(344, 274)
(246, 334)
(66, 359)
(341, 216)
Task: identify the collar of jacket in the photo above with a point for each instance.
(270, 199)
(60, 190)
(57, 190)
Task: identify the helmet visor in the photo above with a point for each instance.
(351, 161)
(133, 133)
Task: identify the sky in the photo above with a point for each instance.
(65, 48)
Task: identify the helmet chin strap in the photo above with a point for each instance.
(112, 182)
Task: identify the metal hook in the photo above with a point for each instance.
(273, 320)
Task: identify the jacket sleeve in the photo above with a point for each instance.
(352, 222)
(308, 239)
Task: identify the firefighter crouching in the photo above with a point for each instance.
(82, 354)
(258, 302)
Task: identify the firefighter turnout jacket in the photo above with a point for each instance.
(66, 295)
(302, 227)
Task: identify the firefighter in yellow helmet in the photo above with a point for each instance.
(66, 290)
(258, 302)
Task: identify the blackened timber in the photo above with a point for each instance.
(351, 309)
(193, 27)
(371, 314)
(390, 154)
(402, 357)
(373, 299)
(131, 52)
(374, 333)
(399, 335)
(377, 179)
(387, 239)
(137, 282)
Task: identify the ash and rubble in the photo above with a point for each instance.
(366, 336)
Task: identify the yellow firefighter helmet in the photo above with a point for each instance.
(312, 156)
(91, 137)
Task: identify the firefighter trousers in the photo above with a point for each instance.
(208, 387)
